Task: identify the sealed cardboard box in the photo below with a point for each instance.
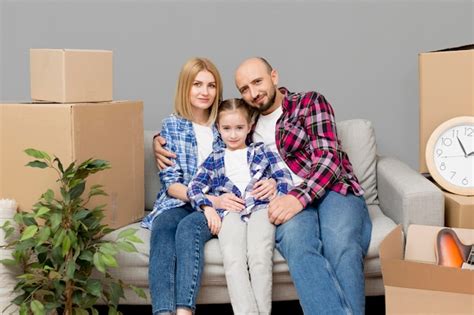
(71, 75)
(446, 90)
(459, 210)
(414, 284)
(111, 131)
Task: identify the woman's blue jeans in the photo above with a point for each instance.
(324, 246)
(177, 244)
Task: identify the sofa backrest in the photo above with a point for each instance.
(357, 139)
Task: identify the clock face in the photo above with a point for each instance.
(453, 155)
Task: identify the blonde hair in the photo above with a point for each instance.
(189, 71)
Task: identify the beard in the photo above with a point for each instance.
(271, 100)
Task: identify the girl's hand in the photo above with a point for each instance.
(229, 202)
(213, 220)
(265, 189)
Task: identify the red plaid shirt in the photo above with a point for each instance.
(306, 138)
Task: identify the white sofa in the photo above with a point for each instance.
(395, 194)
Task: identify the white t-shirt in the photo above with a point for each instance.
(204, 139)
(237, 168)
(265, 132)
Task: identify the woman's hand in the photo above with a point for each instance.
(162, 156)
(213, 219)
(265, 189)
(228, 201)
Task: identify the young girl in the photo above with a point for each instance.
(191, 135)
(248, 233)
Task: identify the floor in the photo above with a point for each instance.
(374, 305)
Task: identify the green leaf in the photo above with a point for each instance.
(94, 287)
(70, 269)
(109, 260)
(37, 308)
(66, 245)
(94, 311)
(116, 292)
(108, 248)
(80, 214)
(37, 164)
(98, 263)
(134, 238)
(23, 309)
(41, 211)
(43, 235)
(127, 247)
(60, 165)
(126, 232)
(86, 255)
(139, 292)
(77, 190)
(38, 154)
(48, 195)
(112, 311)
(29, 232)
(8, 262)
(55, 220)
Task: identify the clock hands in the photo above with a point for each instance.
(462, 147)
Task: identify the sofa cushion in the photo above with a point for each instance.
(358, 141)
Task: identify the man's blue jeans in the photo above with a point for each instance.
(324, 246)
(177, 244)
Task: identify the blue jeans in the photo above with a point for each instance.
(176, 258)
(324, 246)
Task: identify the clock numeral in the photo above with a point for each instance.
(439, 152)
(442, 166)
(454, 174)
(465, 181)
(455, 133)
(468, 131)
(446, 141)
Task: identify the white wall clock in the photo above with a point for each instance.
(450, 155)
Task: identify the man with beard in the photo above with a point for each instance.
(323, 227)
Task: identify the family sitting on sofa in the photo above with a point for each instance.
(259, 172)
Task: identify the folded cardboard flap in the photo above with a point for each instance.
(417, 269)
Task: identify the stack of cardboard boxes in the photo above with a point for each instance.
(73, 116)
(414, 283)
(447, 91)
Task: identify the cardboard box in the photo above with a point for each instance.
(71, 75)
(459, 210)
(446, 90)
(75, 132)
(414, 284)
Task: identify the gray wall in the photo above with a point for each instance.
(362, 55)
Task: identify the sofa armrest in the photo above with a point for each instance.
(406, 196)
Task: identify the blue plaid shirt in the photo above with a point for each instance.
(211, 179)
(180, 139)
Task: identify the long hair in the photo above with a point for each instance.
(189, 71)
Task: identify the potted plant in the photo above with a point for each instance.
(61, 243)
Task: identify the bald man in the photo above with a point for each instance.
(323, 226)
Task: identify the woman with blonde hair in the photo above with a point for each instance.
(176, 262)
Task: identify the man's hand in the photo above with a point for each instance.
(228, 201)
(283, 208)
(264, 189)
(162, 156)
(213, 219)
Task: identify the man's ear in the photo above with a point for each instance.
(274, 76)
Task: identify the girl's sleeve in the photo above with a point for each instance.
(278, 171)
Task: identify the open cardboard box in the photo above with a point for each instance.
(414, 284)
